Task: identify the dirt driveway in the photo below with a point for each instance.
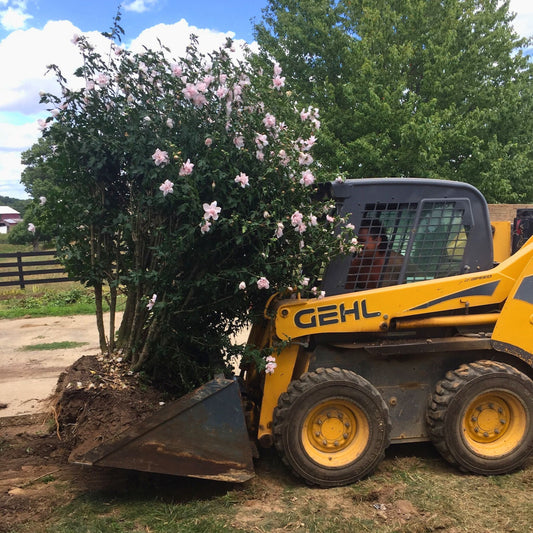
(28, 377)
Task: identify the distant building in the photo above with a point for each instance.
(8, 218)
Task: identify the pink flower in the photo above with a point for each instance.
(270, 364)
(238, 141)
(307, 178)
(31, 228)
(170, 123)
(222, 78)
(339, 179)
(305, 159)
(186, 168)
(160, 157)
(199, 100)
(166, 187)
(284, 158)
(211, 211)
(297, 218)
(242, 178)
(208, 142)
(261, 140)
(304, 115)
(277, 69)
(151, 302)
(242, 286)
(309, 143)
(221, 91)
(204, 228)
(102, 79)
(321, 295)
(42, 200)
(301, 228)
(259, 155)
(190, 91)
(313, 220)
(269, 121)
(208, 79)
(278, 82)
(279, 230)
(329, 218)
(305, 282)
(177, 70)
(350, 226)
(89, 85)
(42, 124)
(263, 283)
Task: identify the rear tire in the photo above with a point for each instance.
(480, 417)
(331, 427)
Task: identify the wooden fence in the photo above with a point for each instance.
(21, 269)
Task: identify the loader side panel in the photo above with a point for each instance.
(513, 332)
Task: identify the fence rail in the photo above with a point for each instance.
(21, 269)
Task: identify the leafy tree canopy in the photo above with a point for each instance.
(423, 88)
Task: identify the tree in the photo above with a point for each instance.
(423, 88)
(190, 185)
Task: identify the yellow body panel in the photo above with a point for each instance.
(514, 330)
(501, 240)
(374, 310)
(275, 384)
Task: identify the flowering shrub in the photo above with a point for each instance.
(190, 184)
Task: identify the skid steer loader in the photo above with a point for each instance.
(420, 336)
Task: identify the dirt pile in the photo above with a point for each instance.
(96, 399)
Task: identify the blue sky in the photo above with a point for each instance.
(35, 33)
(137, 15)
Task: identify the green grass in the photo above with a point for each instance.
(74, 299)
(60, 345)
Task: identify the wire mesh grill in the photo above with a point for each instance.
(406, 242)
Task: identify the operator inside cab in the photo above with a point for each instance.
(374, 264)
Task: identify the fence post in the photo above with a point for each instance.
(21, 272)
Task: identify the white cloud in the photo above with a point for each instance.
(15, 16)
(139, 6)
(523, 23)
(177, 37)
(24, 59)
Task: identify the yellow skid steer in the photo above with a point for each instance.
(420, 336)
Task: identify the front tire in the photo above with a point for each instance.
(481, 417)
(331, 427)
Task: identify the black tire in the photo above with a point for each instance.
(331, 427)
(480, 417)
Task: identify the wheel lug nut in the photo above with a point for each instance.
(319, 422)
(474, 419)
(502, 421)
(336, 443)
(328, 415)
(485, 434)
(345, 435)
(491, 406)
(500, 410)
(346, 424)
(340, 416)
(497, 431)
(317, 433)
(476, 430)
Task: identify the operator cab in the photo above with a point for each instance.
(410, 230)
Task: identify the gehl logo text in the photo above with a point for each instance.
(327, 315)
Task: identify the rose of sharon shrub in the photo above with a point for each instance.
(189, 184)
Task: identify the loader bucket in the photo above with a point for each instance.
(202, 434)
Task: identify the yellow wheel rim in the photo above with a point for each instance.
(494, 423)
(335, 433)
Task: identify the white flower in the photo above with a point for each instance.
(242, 286)
(151, 302)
